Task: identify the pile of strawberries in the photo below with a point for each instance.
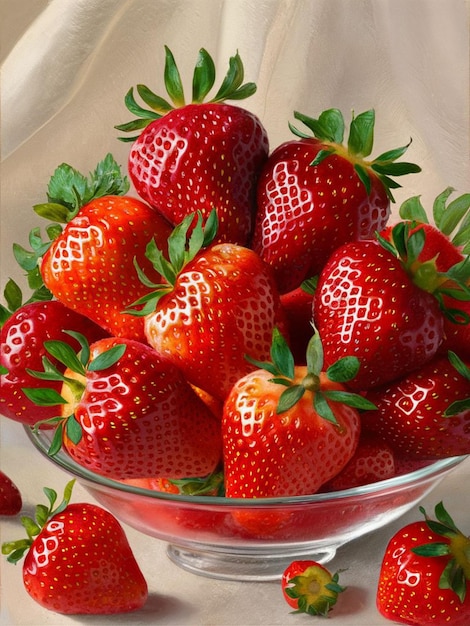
(250, 312)
(247, 314)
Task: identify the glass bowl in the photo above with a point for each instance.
(254, 540)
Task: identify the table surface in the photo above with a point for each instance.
(177, 597)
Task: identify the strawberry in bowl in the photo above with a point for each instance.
(315, 194)
(200, 155)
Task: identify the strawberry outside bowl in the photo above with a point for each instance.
(253, 540)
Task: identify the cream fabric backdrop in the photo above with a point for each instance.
(64, 79)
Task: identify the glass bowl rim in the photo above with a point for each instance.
(41, 442)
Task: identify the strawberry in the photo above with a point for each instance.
(373, 460)
(218, 303)
(425, 574)
(288, 429)
(374, 300)
(309, 587)
(22, 348)
(10, 496)
(446, 245)
(315, 194)
(201, 155)
(426, 413)
(88, 265)
(128, 412)
(78, 559)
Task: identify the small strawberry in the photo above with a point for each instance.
(426, 413)
(315, 194)
(78, 559)
(128, 412)
(373, 460)
(218, 303)
(88, 265)
(10, 496)
(202, 155)
(289, 429)
(374, 300)
(425, 574)
(22, 347)
(309, 587)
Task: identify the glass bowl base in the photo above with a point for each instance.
(245, 567)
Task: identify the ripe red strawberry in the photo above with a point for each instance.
(446, 245)
(425, 574)
(289, 429)
(128, 412)
(10, 496)
(202, 155)
(315, 194)
(78, 560)
(89, 265)
(373, 460)
(219, 302)
(425, 414)
(309, 587)
(22, 348)
(377, 302)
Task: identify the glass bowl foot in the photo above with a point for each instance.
(249, 567)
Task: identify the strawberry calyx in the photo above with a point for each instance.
(69, 190)
(456, 573)
(183, 246)
(463, 370)
(329, 128)
(232, 88)
(316, 590)
(282, 367)
(213, 484)
(78, 363)
(406, 243)
(15, 550)
(452, 219)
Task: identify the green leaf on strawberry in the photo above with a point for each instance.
(78, 363)
(15, 550)
(69, 189)
(452, 219)
(283, 369)
(457, 571)
(231, 88)
(330, 128)
(183, 246)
